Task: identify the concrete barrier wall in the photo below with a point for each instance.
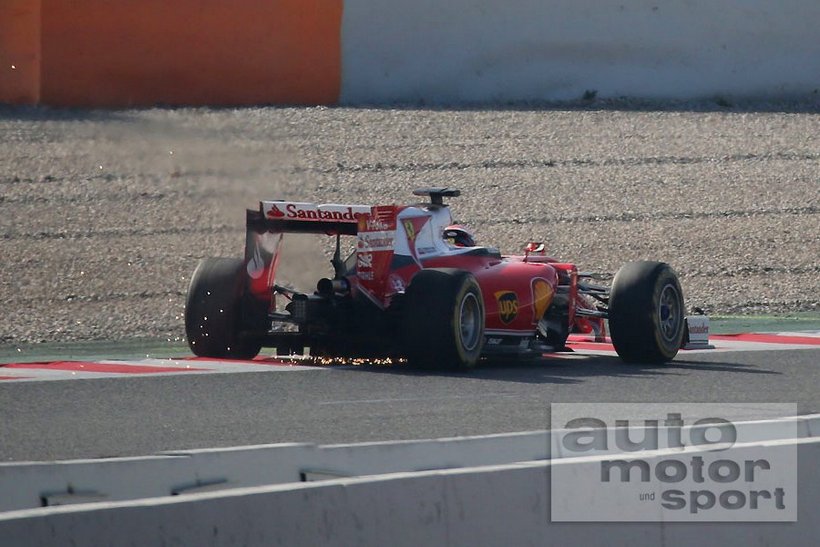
(504, 505)
(484, 50)
(145, 52)
(27, 485)
(20, 51)
(24, 485)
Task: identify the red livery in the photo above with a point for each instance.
(418, 287)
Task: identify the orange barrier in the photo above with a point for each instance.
(183, 52)
(20, 51)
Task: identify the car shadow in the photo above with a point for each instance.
(550, 370)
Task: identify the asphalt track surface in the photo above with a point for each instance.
(139, 416)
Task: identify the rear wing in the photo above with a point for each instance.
(305, 218)
(273, 219)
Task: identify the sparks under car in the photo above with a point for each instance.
(415, 289)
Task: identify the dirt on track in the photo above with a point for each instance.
(104, 214)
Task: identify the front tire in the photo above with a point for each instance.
(218, 312)
(646, 313)
(443, 319)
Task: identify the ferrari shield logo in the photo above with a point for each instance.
(410, 229)
(507, 306)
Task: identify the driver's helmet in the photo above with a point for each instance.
(459, 236)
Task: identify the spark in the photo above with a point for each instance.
(354, 361)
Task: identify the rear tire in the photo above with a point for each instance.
(646, 313)
(218, 311)
(443, 319)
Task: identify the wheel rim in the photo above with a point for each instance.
(669, 313)
(469, 322)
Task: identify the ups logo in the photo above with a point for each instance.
(507, 306)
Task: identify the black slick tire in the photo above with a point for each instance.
(646, 313)
(217, 312)
(443, 320)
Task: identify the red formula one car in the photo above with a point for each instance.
(418, 287)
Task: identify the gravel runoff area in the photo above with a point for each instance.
(104, 214)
